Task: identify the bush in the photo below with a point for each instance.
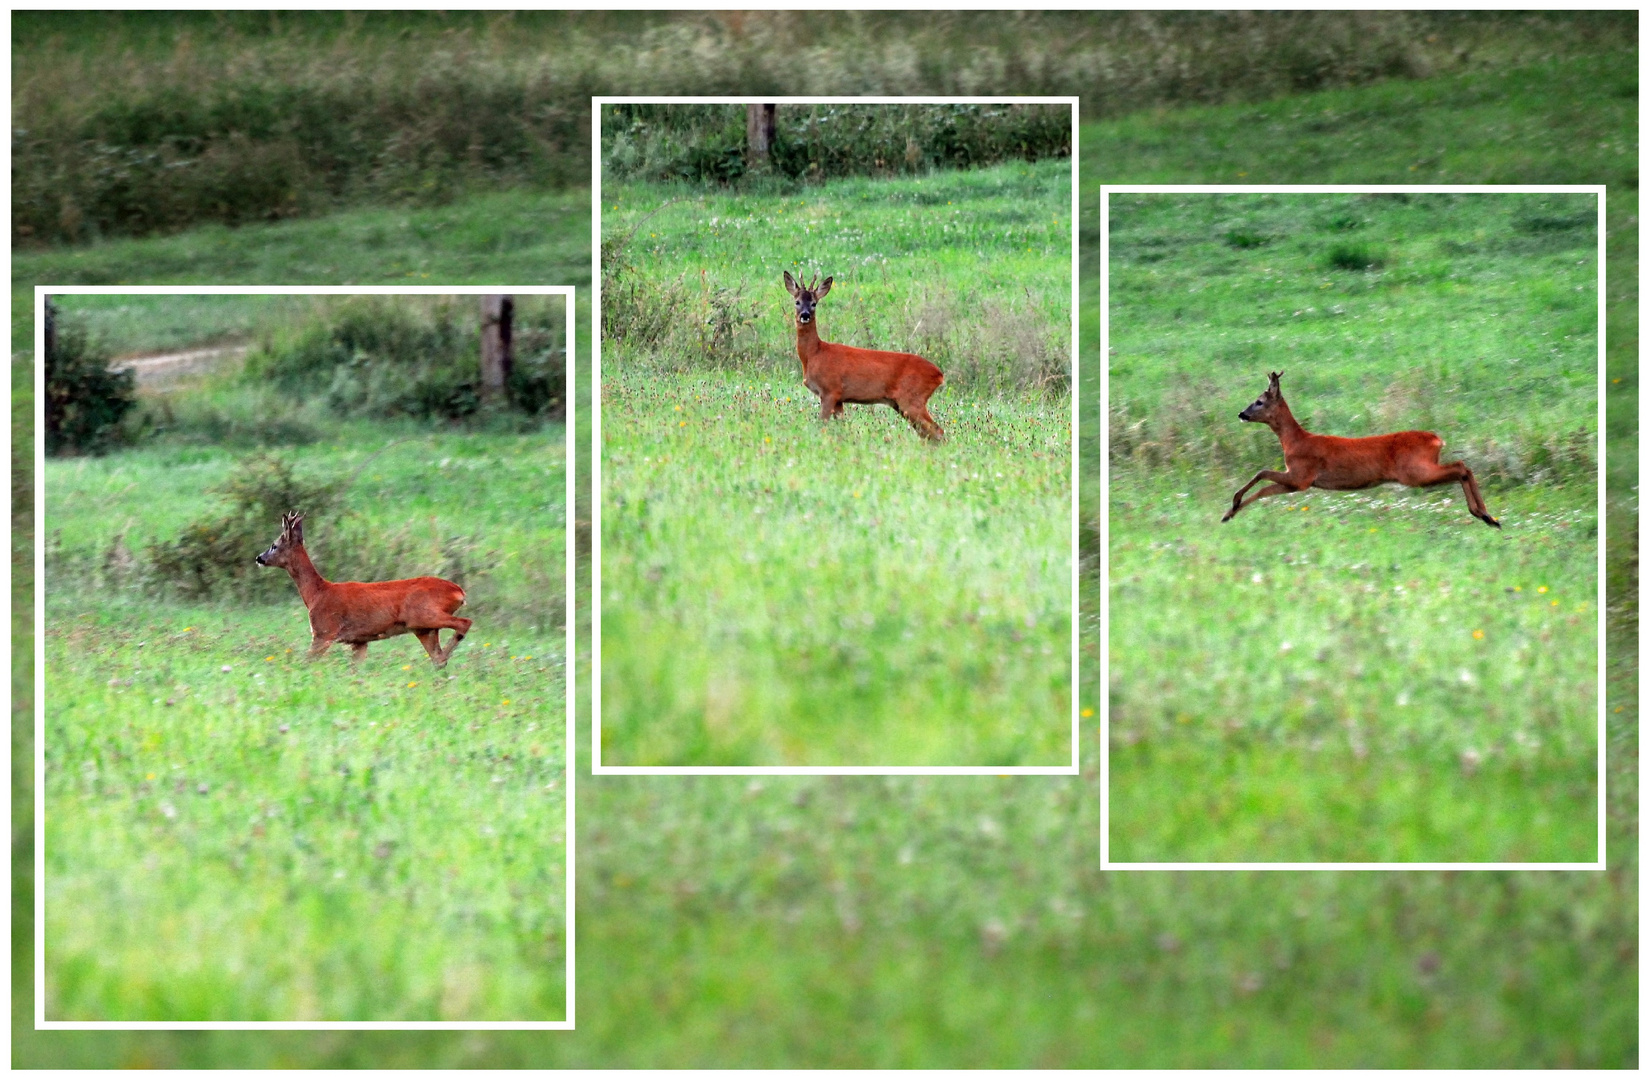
(214, 558)
(85, 401)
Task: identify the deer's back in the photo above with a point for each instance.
(396, 601)
(1346, 464)
(871, 375)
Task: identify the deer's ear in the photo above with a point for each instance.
(790, 283)
(819, 294)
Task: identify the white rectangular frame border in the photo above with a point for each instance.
(1105, 193)
(40, 1021)
(596, 767)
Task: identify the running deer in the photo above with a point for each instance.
(356, 613)
(1338, 464)
(841, 374)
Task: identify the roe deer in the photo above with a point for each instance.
(1338, 464)
(356, 613)
(842, 373)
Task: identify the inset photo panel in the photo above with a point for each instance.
(1352, 528)
(303, 691)
(834, 452)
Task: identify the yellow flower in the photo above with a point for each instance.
(1541, 589)
(1478, 634)
(412, 684)
(1087, 712)
(267, 659)
(406, 667)
(506, 701)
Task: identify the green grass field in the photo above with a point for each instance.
(1354, 676)
(234, 833)
(964, 921)
(778, 594)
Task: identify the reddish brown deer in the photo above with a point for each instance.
(841, 374)
(356, 613)
(1338, 464)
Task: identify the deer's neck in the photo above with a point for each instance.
(1288, 430)
(807, 341)
(309, 581)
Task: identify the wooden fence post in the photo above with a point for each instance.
(497, 314)
(760, 126)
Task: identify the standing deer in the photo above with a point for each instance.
(842, 373)
(1339, 464)
(356, 613)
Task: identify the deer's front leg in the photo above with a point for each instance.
(829, 405)
(318, 647)
(1280, 482)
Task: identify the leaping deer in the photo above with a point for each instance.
(842, 373)
(1339, 464)
(356, 613)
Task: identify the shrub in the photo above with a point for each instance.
(213, 558)
(383, 357)
(85, 400)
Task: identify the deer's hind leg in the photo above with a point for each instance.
(916, 413)
(431, 641)
(1430, 474)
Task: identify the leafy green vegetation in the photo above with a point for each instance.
(85, 399)
(707, 143)
(774, 593)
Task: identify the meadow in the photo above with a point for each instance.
(235, 833)
(138, 123)
(956, 921)
(774, 593)
(1354, 676)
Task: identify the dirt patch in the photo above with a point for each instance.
(159, 371)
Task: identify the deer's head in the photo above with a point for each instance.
(291, 539)
(807, 296)
(1265, 406)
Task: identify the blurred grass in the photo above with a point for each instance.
(509, 238)
(780, 921)
(774, 595)
(151, 121)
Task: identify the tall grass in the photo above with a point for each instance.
(142, 121)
